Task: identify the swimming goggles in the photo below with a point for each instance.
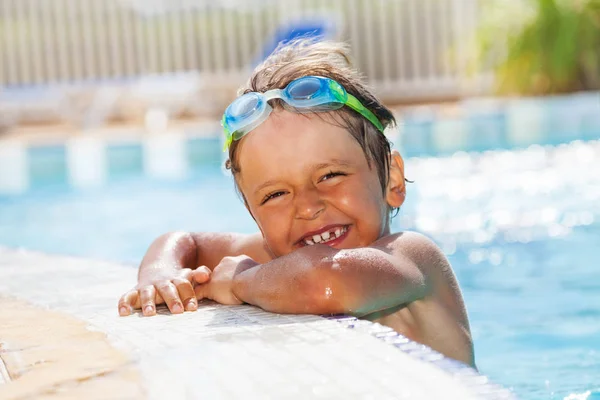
(306, 94)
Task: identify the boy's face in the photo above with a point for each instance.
(306, 181)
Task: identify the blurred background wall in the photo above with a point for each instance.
(87, 61)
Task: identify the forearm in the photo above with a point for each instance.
(322, 280)
(287, 284)
(176, 250)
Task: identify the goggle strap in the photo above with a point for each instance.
(227, 143)
(356, 105)
(239, 133)
(228, 135)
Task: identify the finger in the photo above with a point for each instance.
(186, 294)
(201, 291)
(201, 274)
(147, 294)
(127, 302)
(169, 293)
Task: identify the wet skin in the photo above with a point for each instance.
(301, 175)
(305, 181)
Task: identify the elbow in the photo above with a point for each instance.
(180, 247)
(420, 284)
(339, 285)
(175, 237)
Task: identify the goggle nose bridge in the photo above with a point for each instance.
(273, 94)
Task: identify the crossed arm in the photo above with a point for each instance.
(322, 280)
(178, 261)
(313, 280)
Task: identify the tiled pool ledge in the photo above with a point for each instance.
(59, 313)
(94, 158)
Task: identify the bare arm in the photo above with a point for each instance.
(176, 250)
(176, 260)
(406, 272)
(212, 247)
(319, 280)
(179, 250)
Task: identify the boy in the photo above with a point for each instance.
(315, 171)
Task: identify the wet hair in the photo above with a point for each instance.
(305, 57)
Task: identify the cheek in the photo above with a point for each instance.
(359, 196)
(271, 223)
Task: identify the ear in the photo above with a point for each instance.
(396, 190)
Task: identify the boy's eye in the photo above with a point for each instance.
(330, 175)
(271, 196)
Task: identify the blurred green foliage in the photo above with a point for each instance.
(538, 47)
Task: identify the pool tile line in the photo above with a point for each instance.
(481, 124)
(474, 125)
(478, 383)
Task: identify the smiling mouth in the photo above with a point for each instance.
(326, 237)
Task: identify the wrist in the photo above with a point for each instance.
(242, 281)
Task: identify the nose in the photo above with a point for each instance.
(309, 204)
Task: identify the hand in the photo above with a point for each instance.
(171, 286)
(219, 288)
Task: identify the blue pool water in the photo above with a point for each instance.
(521, 228)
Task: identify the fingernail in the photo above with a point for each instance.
(148, 310)
(123, 311)
(177, 308)
(192, 306)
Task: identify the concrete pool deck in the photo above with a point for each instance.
(61, 338)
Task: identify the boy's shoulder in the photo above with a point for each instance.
(416, 247)
(409, 241)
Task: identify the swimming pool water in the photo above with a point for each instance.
(521, 228)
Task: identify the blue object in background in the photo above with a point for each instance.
(317, 27)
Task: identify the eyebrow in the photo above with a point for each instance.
(332, 163)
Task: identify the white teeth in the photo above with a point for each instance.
(326, 236)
